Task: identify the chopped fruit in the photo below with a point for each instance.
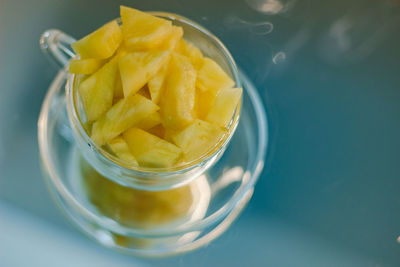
(143, 84)
(150, 121)
(156, 83)
(121, 149)
(178, 98)
(124, 114)
(173, 39)
(144, 209)
(197, 139)
(142, 30)
(212, 77)
(97, 91)
(85, 66)
(224, 106)
(150, 150)
(189, 50)
(138, 68)
(101, 43)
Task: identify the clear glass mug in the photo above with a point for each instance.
(142, 211)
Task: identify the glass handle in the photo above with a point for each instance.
(56, 45)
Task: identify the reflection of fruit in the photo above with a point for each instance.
(177, 101)
(101, 43)
(150, 150)
(224, 106)
(121, 149)
(142, 30)
(85, 66)
(97, 91)
(145, 209)
(132, 207)
(197, 139)
(124, 114)
(138, 68)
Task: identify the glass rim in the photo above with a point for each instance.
(117, 163)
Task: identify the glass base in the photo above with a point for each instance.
(118, 218)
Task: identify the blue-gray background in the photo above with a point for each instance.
(329, 76)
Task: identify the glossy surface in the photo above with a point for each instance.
(329, 76)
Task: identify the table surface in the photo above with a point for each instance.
(329, 75)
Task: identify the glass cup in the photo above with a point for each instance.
(148, 212)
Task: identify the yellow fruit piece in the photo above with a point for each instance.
(177, 102)
(189, 50)
(150, 121)
(204, 101)
(197, 139)
(142, 31)
(97, 91)
(121, 149)
(156, 84)
(101, 43)
(138, 68)
(212, 77)
(224, 106)
(124, 114)
(173, 39)
(150, 150)
(85, 66)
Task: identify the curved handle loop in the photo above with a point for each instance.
(56, 45)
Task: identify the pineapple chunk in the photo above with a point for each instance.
(85, 66)
(142, 31)
(121, 149)
(178, 98)
(212, 77)
(138, 68)
(224, 106)
(150, 150)
(189, 50)
(204, 102)
(101, 43)
(124, 114)
(197, 139)
(97, 91)
(173, 39)
(150, 121)
(156, 84)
